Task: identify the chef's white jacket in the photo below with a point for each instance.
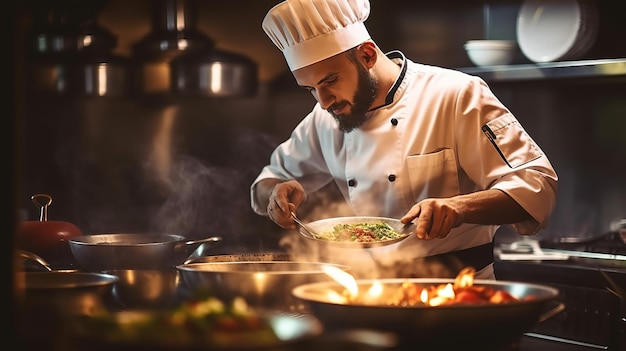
(441, 133)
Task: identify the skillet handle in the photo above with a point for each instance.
(213, 239)
(199, 251)
(558, 308)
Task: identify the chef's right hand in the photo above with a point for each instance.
(284, 199)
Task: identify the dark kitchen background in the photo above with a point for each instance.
(153, 158)
(150, 156)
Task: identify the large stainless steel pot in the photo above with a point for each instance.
(164, 288)
(441, 327)
(264, 284)
(102, 252)
(146, 288)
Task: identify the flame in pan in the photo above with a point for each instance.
(344, 278)
(409, 294)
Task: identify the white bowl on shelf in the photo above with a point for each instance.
(491, 52)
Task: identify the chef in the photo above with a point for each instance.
(403, 140)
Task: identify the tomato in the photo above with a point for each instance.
(254, 322)
(413, 292)
(227, 323)
(468, 296)
(501, 296)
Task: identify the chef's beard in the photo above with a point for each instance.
(363, 98)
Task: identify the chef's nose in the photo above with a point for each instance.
(325, 98)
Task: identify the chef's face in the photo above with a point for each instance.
(342, 86)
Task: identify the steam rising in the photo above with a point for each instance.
(198, 194)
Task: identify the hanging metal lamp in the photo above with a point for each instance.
(194, 65)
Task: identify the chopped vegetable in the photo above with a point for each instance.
(200, 322)
(361, 232)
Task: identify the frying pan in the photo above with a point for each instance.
(440, 326)
(51, 303)
(66, 293)
(102, 252)
(326, 225)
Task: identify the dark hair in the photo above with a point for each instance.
(351, 54)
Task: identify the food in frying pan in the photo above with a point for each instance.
(361, 232)
(462, 292)
(205, 321)
(410, 294)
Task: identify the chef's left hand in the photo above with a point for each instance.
(434, 218)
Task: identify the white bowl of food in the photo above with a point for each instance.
(491, 52)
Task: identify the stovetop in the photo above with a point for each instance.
(605, 246)
(527, 342)
(539, 342)
(608, 249)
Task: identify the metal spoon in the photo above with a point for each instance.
(308, 232)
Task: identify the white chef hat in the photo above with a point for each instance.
(309, 31)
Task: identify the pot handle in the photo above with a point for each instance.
(34, 258)
(199, 251)
(213, 239)
(558, 308)
(42, 201)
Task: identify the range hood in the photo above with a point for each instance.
(71, 55)
(195, 65)
(214, 73)
(173, 32)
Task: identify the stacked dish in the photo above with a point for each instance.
(556, 30)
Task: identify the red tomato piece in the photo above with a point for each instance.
(468, 296)
(227, 323)
(501, 296)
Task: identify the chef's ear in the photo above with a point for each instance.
(367, 53)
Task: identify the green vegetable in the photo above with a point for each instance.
(361, 232)
(198, 323)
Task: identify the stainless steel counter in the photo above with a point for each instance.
(552, 70)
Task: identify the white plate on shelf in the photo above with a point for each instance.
(555, 30)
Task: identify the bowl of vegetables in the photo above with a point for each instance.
(359, 231)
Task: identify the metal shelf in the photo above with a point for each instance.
(552, 70)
